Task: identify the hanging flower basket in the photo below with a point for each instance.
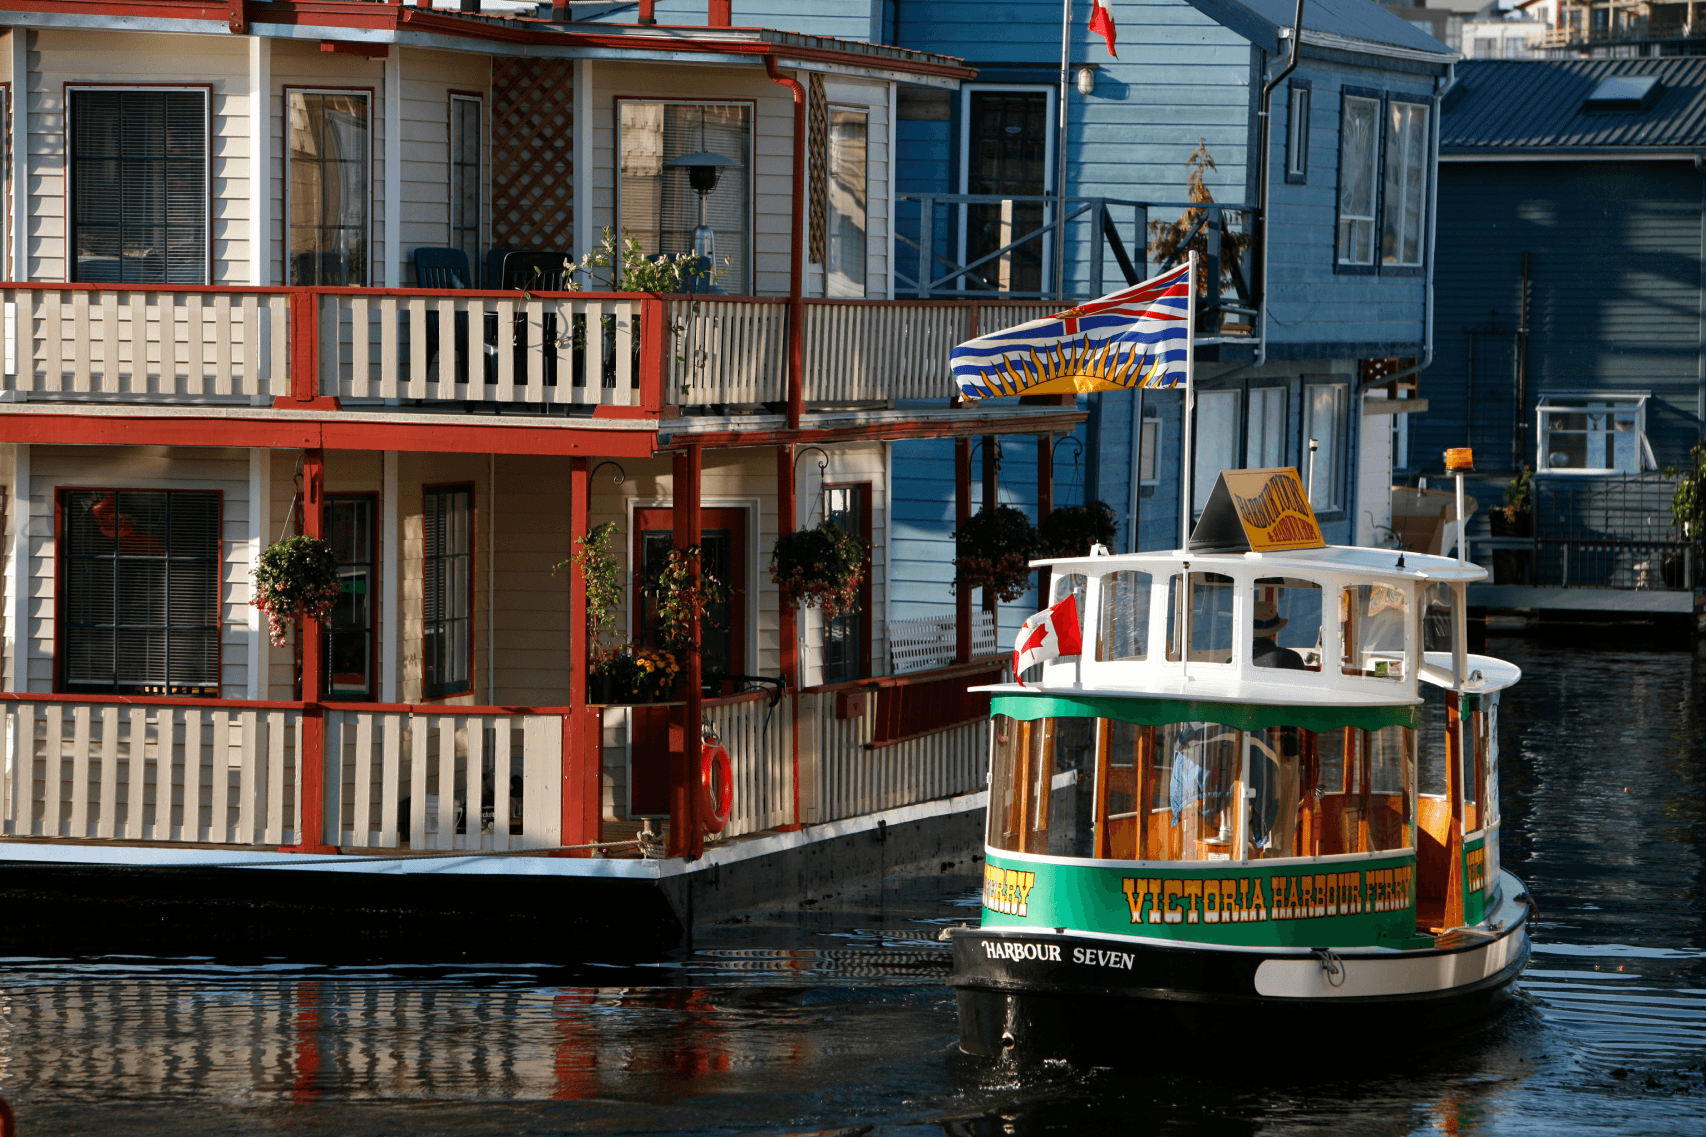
(994, 550)
(821, 567)
(297, 578)
(1071, 530)
(672, 587)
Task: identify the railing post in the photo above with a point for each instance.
(926, 244)
(582, 788)
(311, 760)
(686, 836)
(305, 355)
(962, 514)
(654, 332)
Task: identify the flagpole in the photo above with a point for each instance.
(1187, 476)
(1060, 155)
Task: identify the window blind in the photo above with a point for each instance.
(141, 600)
(661, 209)
(139, 186)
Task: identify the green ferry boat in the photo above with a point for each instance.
(1265, 789)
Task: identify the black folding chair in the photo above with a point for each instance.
(444, 268)
(532, 270)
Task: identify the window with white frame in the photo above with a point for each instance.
(844, 266)
(1216, 443)
(328, 186)
(1149, 455)
(447, 590)
(467, 143)
(658, 206)
(1297, 133)
(1404, 205)
(1264, 432)
(1325, 407)
(1359, 174)
(139, 185)
(1594, 434)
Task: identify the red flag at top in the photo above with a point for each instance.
(1049, 634)
(1102, 20)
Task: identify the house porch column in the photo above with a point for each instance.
(686, 837)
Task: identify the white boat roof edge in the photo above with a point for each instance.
(1341, 558)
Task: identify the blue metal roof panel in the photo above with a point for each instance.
(1259, 20)
(1538, 105)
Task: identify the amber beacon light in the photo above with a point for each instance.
(1460, 459)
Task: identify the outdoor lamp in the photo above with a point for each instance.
(702, 171)
(1086, 80)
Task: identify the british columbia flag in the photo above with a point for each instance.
(1136, 337)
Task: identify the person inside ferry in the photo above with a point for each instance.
(1266, 652)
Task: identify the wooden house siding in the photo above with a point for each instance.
(839, 19)
(1615, 292)
(141, 467)
(1309, 303)
(61, 56)
(428, 78)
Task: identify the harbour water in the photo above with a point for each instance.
(832, 1018)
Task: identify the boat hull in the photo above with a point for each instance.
(1030, 995)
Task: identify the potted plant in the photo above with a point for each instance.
(597, 561)
(1071, 530)
(641, 272)
(639, 675)
(821, 567)
(993, 551)
(1688, 514)
(1514, 518)
(297, 578)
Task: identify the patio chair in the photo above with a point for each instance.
(444, 268)
(533, 270)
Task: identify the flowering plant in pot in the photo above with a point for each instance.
(638, 675)
(296, 578)
(1513, 518)
(597, 562)
(821, 567)
(993, 550)
(675, 591)
(1070, 530)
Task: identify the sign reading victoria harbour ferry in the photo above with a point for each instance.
(1261, 510)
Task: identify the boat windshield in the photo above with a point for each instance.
(1198, 791)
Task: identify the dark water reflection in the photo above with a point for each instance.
(832, 1019)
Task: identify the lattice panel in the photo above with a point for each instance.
(533, 134)
(817, 148)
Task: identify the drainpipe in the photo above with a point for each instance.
(796, 251)
(1264, 144)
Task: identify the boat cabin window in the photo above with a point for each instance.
(1374, 620)
(1199, 791)
(1285, 624)
(1123, 629)
(1204, 616)
(1036, 804)
(1071, 583)
(1436, 617)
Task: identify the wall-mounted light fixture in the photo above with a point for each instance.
(1086, 80)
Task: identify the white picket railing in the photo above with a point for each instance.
(724, 351)
(135, 344)
(487, 347)
(931, 641)
(757, 738)
(152, 773)
(408, 778)
(846, 779)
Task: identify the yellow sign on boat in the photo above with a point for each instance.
(1261, 510)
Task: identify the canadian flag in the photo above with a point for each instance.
(1102, 20)
(1049, 634)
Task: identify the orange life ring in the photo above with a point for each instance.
(717, 785)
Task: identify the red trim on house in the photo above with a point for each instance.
(394, 17)
(65, 90)
(325, 434)
(969, 426)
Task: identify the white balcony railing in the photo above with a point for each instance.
(146, 344)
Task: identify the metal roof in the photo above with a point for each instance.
(1537, 105)
(1259, 21)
